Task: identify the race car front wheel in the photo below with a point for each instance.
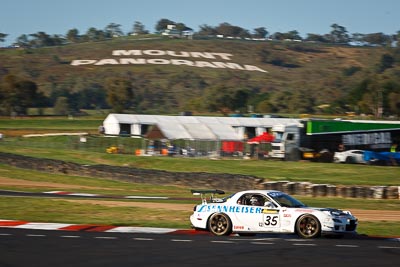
(220, 224)
(308, 226)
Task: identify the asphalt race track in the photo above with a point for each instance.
(42, 248)
(28, 244)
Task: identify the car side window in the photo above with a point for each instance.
(242, 200)
(252, 200)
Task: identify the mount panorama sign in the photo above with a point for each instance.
(167, 57)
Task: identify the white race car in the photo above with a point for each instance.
(349, 156)
(267, 211)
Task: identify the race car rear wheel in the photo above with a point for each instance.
(308, 226)
(220, 224)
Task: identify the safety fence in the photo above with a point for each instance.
(141, 146)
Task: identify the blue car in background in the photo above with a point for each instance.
(382, 158)
(367, 157)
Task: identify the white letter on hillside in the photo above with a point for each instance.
(181, 62)
(158, 61)
(204, 55)
(107, 61)
(224, 55)
(154, 52)
(182, 54)
(132, 61)
(78, 62)
(126, 53)
(204, 64)
(252, 68)
(228, 65)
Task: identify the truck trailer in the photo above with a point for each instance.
(318, 140)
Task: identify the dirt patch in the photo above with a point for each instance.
(149, 205)
(376, 215)
(21, 132)
(25, 183)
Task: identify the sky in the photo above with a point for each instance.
(305, 16)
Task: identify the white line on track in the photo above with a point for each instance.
(4, 234)
(347, 246)
(145, 197)
(388, 247)
(83, 195)
(181, 240)
(32, 235)
(223, 242)
(262, 243)
(143, 239)
(70, 236)
(298, 240)
(303, 244)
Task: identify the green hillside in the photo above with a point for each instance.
(269, 76)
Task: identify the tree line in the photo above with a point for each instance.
(370, 93)
(337, 35)
(230, 92)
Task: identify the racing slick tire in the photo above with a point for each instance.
(308, 226)
(220, 224)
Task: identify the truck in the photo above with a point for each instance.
(318, 139)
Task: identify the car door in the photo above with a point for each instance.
(271, 216)
(248, 217)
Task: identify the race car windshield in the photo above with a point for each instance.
(286, 200)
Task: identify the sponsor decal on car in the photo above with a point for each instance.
(304, 210)
(270, 211)
(230, 209)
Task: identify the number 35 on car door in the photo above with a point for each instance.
(271, 218)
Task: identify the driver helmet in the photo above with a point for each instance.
(254, 201)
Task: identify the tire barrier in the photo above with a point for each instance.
(223, 181)
(327, 190)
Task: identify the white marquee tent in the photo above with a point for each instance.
(190, 127)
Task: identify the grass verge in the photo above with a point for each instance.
(130, 212)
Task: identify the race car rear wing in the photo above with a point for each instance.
(203, 192)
